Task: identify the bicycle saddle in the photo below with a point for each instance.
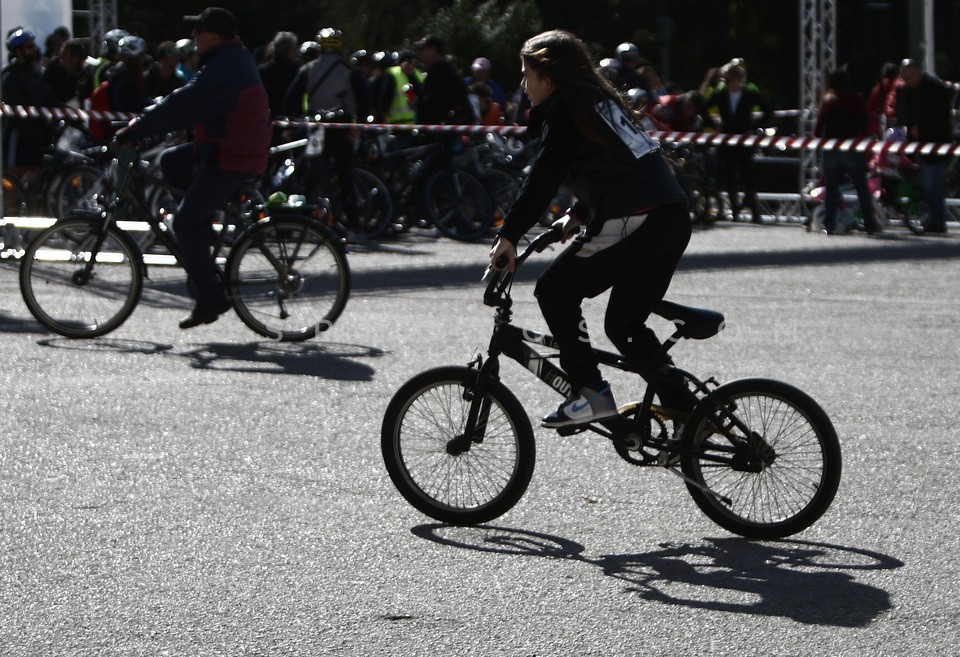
(693, 323)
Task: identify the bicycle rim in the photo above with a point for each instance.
(288, 279)
(459, 205)
(65, 300)
(374, 204)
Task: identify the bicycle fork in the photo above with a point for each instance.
(474, 391)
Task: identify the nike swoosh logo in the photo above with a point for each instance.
(576, 408)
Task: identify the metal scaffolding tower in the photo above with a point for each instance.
(818, 56)
(101, 17)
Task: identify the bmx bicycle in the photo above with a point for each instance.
(286, 275)
(759, 457)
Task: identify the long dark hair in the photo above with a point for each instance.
(564, 58)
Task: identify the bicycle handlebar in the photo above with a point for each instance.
(498, 284)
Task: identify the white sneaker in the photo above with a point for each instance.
(586, 406)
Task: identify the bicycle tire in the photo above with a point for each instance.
(503, 187)
(374, 205)
(306, 296)
(424, 415)
(57, 295)
(459, 205)
(781, 483)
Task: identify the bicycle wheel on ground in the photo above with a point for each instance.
(768, 453)
(459, 205)
(74, 293)
(288, 278)
(450, 480)
(374, 205)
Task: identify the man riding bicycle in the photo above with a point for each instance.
(226, 104)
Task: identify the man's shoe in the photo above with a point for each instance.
(205, 314)
(590, 404)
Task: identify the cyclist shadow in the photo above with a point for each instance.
(808, 582)
(115, 345)
(328, 360)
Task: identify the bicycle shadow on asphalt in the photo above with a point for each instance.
(811, 583)
(114, 345)
(13, 324)
(327, 360)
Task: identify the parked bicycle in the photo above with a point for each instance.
(429, 188)
(286, 275)
(759, 457)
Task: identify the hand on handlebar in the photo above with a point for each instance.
(503, 255)
(568, 225)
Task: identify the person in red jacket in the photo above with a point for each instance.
(227, 106)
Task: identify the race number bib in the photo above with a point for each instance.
(627, 129)
(315, 141)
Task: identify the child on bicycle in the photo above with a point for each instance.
(630, 211)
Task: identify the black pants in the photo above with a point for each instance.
(737, 166)
(637, 270)
(339, 147)
(207, 187)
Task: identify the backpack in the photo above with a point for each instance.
(99, 101)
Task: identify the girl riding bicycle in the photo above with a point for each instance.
(630, 211)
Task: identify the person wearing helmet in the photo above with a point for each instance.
(628, 74)
(22, 83)
(127, 89)
(309, 51)
(226, 105)
(189, 59)
(325, 87)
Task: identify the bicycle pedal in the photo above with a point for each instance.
(569, 431)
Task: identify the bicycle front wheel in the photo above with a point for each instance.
(459, 205)
(288, 278)
(442, 474)
(75, 292)
(768, 454)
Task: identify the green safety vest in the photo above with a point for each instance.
(399, 110)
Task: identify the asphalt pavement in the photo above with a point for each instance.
(204, 492)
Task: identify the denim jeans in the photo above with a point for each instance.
(931, 177)
(835, 163)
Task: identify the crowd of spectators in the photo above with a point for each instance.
(422, 84)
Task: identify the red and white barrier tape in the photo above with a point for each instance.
(868, 145)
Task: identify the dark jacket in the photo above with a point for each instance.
(227, 106)
(443, 98)
(842, 115)
(277, 76)
(622, 174)
(927, 108)
(741, 121)
(25, 141)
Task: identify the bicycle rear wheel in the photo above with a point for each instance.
(68, 295)
(422, 444)
(776, 459)
(459, 205)
(288, 278)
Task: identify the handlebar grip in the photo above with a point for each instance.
(501, 262)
